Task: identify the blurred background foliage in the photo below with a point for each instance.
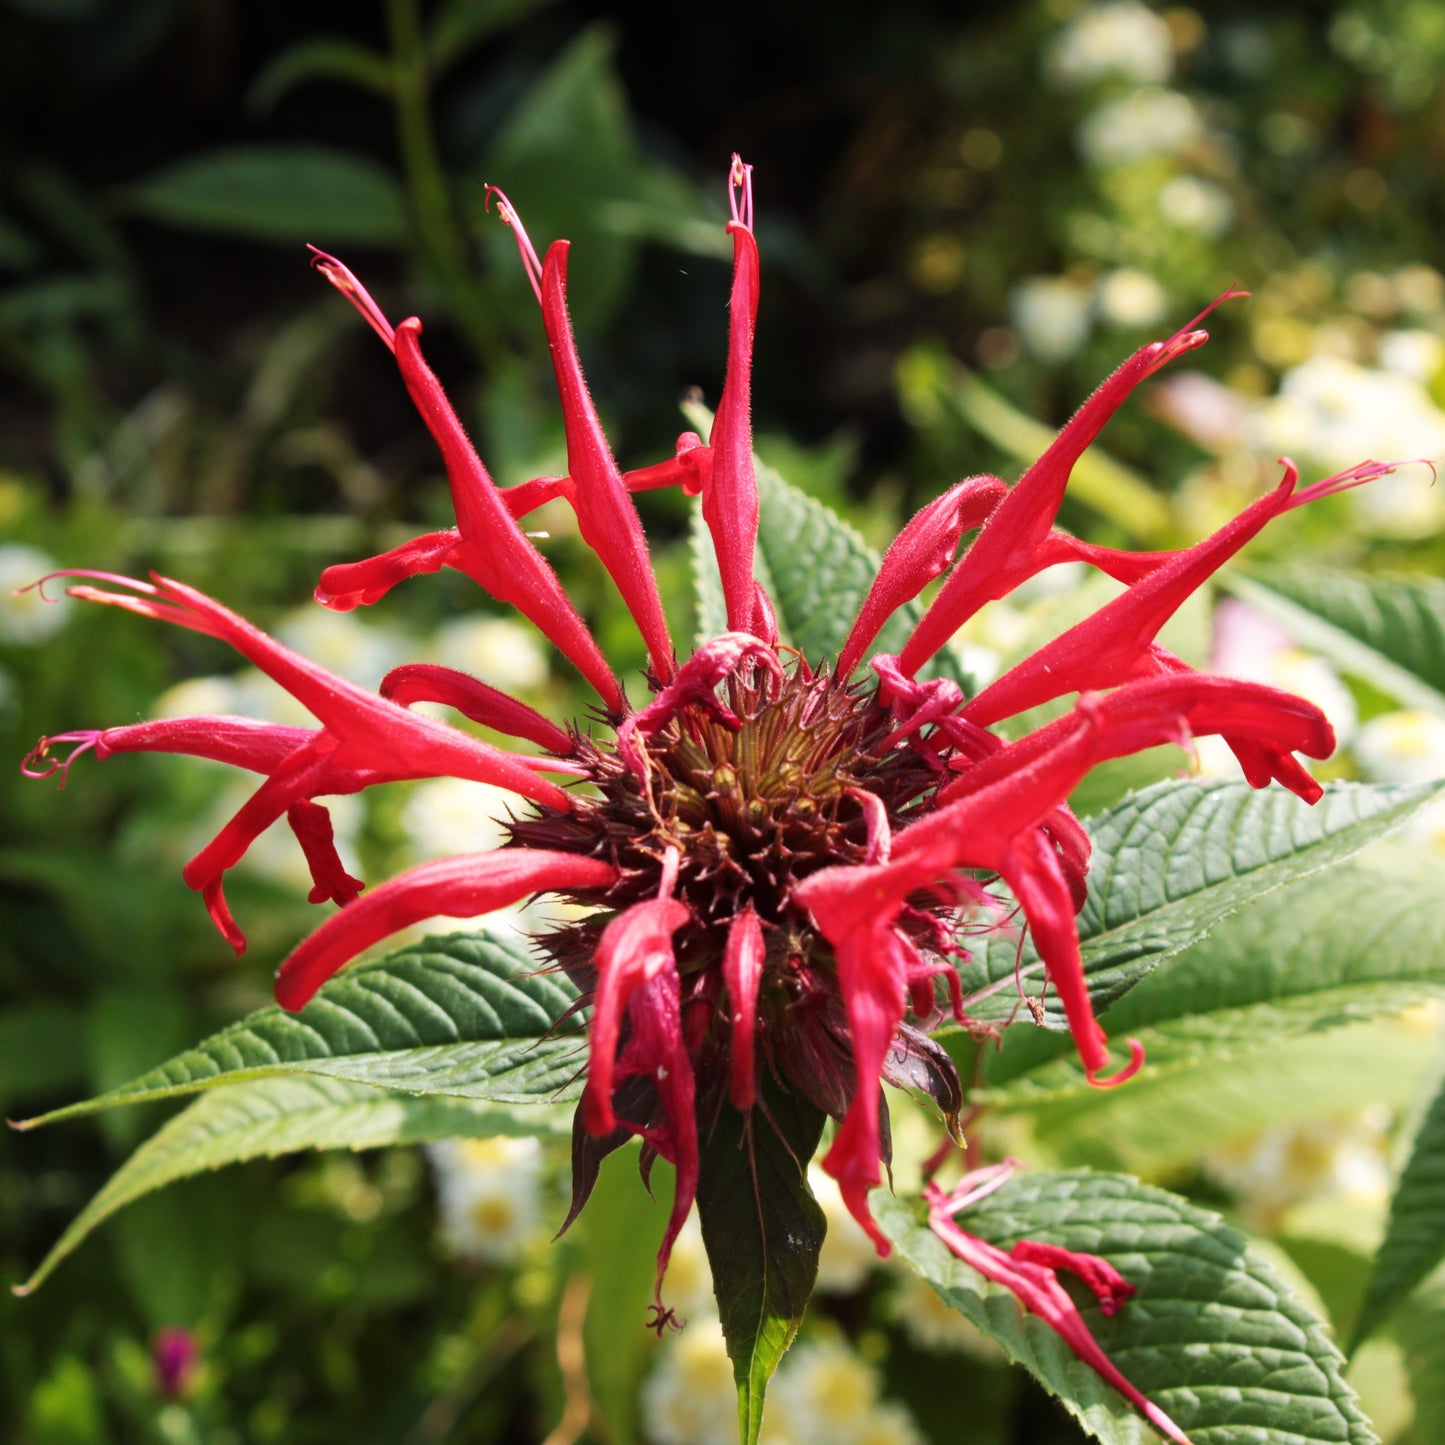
(968, 216)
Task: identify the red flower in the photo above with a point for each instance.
(781, 862)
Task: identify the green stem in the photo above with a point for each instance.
(441, 239)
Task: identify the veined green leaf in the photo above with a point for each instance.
(763, 1231)
(1354, 942)
(466, 1015)
(1170, 863)
(1389, 632)
(271, 1117)
(279, 192)
(1213, 1336)
(1414, 1240)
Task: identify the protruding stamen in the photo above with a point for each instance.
(509, 216)
(1110, 1081)
(345, 282)
(38, 763)
(740, 192)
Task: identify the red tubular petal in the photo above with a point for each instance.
(460, 887)
(241, 741)
(921, 551)
(743, 972)
(605, 514)
(634, 948)
(429, 682)
(311, 823)
(348, 585)
(494, 552)
(1013, 544)
(1109, 647)
(730, 499)
(373, 733)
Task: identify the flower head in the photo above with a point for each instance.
(777, 863)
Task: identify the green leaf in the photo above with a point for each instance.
(813, 565)
(271, 1117)
(322, 57)
(1169, 864)
(287, 193)
(1388, 632)
(1420, 1329)
(763, 1230)
(459, 26)
(1414, 1240)
(465, 1015)
(1213, 1337)
(1305, 959)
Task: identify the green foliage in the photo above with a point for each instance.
(282, 193)
(763, 1231)
(1205, 1313)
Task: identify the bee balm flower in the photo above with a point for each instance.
(778, 860)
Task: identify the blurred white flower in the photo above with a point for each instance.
(27, 618)
(488, 1195)
(216, 696)
(1333, 412)
(358, 651)
(443, 816)
(826, 1391)
(848, 1254)
(1148, 122)
(1131, 298)
(689, 1398)
(1196, 205)
(1051, 316)
(1402, 747)
(1120, 38)
(495, 649)
(888, 1423)
(1413, 353)
(932, 1325)
(1275, 1168)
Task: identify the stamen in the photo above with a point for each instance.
(345, 282)
(1355, 476)
(509, 216)
(740, 193)
(38, 763)
(1112, 1081)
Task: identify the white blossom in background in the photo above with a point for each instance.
(824, 1392)
(1402, 747)
(1120, 39)
(501, 652)
(358, 651)
(933, 1325)
(1196, 205)
(215, 696)
(1328, 409)
(848, 1254)
(1129, 297)
(690, 1398)
(1051, 315)
(1413, 353)
(445, 816)
(489, 1196)
(1346, 1157)
(26, 618)
(1148, 122)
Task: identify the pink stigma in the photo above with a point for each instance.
(509, 216)
(38, 763)
(740, 192)
(345, 282)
